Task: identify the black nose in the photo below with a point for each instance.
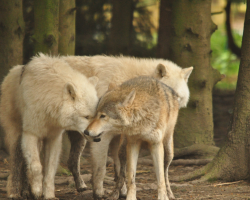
(86, 132)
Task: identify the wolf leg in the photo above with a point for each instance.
(99, 152)
(157, 152)
(168, 157)
(133, 148)
(120, 188)
(78, 143)
(34, 167)
(52, 147)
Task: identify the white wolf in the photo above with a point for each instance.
(39, 101)
(117, 70)
(143, 109)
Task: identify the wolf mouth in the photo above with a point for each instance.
(96, 138)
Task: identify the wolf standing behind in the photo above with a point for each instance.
(143, 109)
(110, 69)
(39, 101)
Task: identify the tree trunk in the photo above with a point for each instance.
(230, 40)
(12, 35)
(164, 33)
(46, 14)
(67, 16)
(66, 46)
(119, 39)
(233, 160)
(190, 46)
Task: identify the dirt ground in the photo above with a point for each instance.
(145, 178)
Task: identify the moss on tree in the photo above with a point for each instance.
(46, 17)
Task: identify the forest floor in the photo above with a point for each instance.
(145, 177)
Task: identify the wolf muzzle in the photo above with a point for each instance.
(95, 138)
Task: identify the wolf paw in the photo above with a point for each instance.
(171, 196)
(114, 195)
(82, 188)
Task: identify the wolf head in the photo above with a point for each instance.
(176, 78)
(79, 104)
(110, 112)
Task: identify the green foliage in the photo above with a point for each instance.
(223, 60)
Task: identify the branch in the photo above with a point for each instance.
(231, 43)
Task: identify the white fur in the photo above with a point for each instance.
(48, 98)
(116, 70)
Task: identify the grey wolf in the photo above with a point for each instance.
(142, 109)
(116, 70)
(39, 102)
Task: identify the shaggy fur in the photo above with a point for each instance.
(142, 109)
(39, 101)
(116, 70)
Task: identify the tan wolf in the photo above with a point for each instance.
(142, 109)
(110, 69)
(39, 101)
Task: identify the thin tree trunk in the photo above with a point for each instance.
(66, 46)
(232, 163)
(230, 40)
(190, 46)
(46, 14)
(164, 32)
(12, 35)
(67, 16)
(119, 39)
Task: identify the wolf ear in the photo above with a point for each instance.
(94, 80)
(186, 73)
(70, 90)
(161, 70)
(112, 86)
(129, 99)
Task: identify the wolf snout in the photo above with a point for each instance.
(86, 132)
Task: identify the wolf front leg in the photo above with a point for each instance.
(78, 143)
(34, 168)
(99, 152)
(168, 157)
(52, 147)
(157, 152)
(120, 189)
(133, 148)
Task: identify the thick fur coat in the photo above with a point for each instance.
(144, 110)
(39, 101)
(117, 70)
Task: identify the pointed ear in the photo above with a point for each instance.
(112, 86)
(70, 90)
(129, 99)
(186, 73)
(94, 80)
(161, 70)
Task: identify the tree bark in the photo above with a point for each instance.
(46, 14)
(119, 39)
(190, 46)
(66, 46)
(232, 163)
(165, 27)
(12, 34)
(67, 16)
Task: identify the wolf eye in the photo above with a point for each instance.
(87, 117)
(102, 116)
